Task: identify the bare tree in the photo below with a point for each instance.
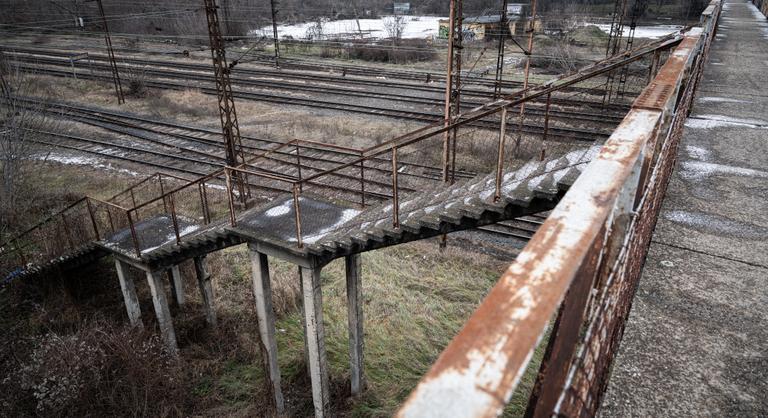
(395, 26)
(315, 30)
(23, 118)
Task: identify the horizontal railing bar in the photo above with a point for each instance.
(496, 106)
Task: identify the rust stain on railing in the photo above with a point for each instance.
(479, 370)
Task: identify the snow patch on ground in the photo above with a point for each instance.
(720, 99)
(716, 121)
(83, 161)
(694, 170)
(698, 153)
(651, 32)
(415, 27)
(716, 224)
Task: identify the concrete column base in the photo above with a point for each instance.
(177, 284)
(129, 295)
(355, 317)
(162, 312)
(206, 290)
(262, 292)
(315, 336)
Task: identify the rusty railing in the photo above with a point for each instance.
(581, 268)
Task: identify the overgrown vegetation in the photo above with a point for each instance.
(416, 299)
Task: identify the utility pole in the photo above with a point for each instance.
(273, 3)
(530, 28)
(503, 28)
(452, 86)
(111, 54)
(452, 95)
(229, 126)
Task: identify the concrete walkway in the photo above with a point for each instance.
(696, 343)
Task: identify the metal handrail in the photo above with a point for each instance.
(510, 100)
(566, 264)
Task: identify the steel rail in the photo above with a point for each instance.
(530, 128)
(201, 76)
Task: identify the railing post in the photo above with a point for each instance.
(203, 206)
(362, 181)
(395, 202)
(93, 219)
(205, 200)
(228, 177)
(298, 164)
(174, 219)
(133, 234)
(162, 192)
(297, 211)
(546, 116)
(563, 340)
(500, 153)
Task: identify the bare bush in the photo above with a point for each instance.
(559, 57)
(132, 43)
(410, 50)
(136, 80)
(22, 123)
(99, 369)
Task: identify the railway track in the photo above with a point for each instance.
(271, 78)
(299, 64)
(199, 151)
(484, 95)
(563, 133)
(130, 124)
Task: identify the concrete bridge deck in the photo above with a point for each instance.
(696, 343)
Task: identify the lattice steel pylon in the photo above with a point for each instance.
(614, 43)
(111, 55)
(503, 27)
(452, 88)
(229, 126)
(638, 9)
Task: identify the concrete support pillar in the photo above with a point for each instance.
(129, 295)
(162, 311)
(206, 290)
(177, 284)
(315, 335)
(355, 317)
(265, 315)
